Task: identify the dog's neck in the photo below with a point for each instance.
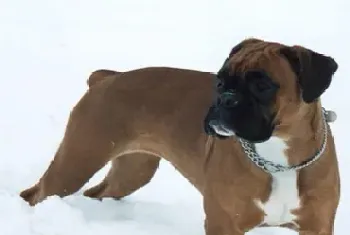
(304, 137)
(295, 146)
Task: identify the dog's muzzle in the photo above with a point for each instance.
(220, 129)
(226, 100)
(212, 122)
(229, 99)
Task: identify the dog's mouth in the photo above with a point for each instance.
(220, 129)
(252, 130)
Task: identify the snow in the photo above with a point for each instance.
(49, 48)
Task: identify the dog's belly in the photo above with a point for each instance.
(284, 189)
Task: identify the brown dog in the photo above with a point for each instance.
(257, 147)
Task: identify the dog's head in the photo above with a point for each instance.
(261, 85)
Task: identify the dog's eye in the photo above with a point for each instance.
(260, 83)
(262, 86)
(264, 91)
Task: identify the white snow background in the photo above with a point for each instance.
(49, 48)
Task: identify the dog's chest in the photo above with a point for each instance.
(284, 189)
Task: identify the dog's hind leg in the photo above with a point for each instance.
(86, 147)
(128, 173)
(67, 173)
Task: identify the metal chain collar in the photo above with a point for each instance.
(271, 167)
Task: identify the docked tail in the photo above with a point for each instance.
(99, 75)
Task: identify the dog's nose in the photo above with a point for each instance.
(228, 99)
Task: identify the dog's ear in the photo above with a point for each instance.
(314, 70)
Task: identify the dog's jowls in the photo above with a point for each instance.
(267, 94)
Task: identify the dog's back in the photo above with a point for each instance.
(131, 118)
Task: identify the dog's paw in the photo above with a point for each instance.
(31, 195)
(100, 191)
(96, 191)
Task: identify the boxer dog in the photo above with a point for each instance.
(256, 145)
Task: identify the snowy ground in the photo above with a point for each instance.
(47, 51)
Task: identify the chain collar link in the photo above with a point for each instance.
(271, 167)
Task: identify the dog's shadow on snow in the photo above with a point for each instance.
(143, 213)
(124, 209)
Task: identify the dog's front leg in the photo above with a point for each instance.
(318, 215)
(317, 224)
(217, 220)
(316, 233)
(320, 199)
